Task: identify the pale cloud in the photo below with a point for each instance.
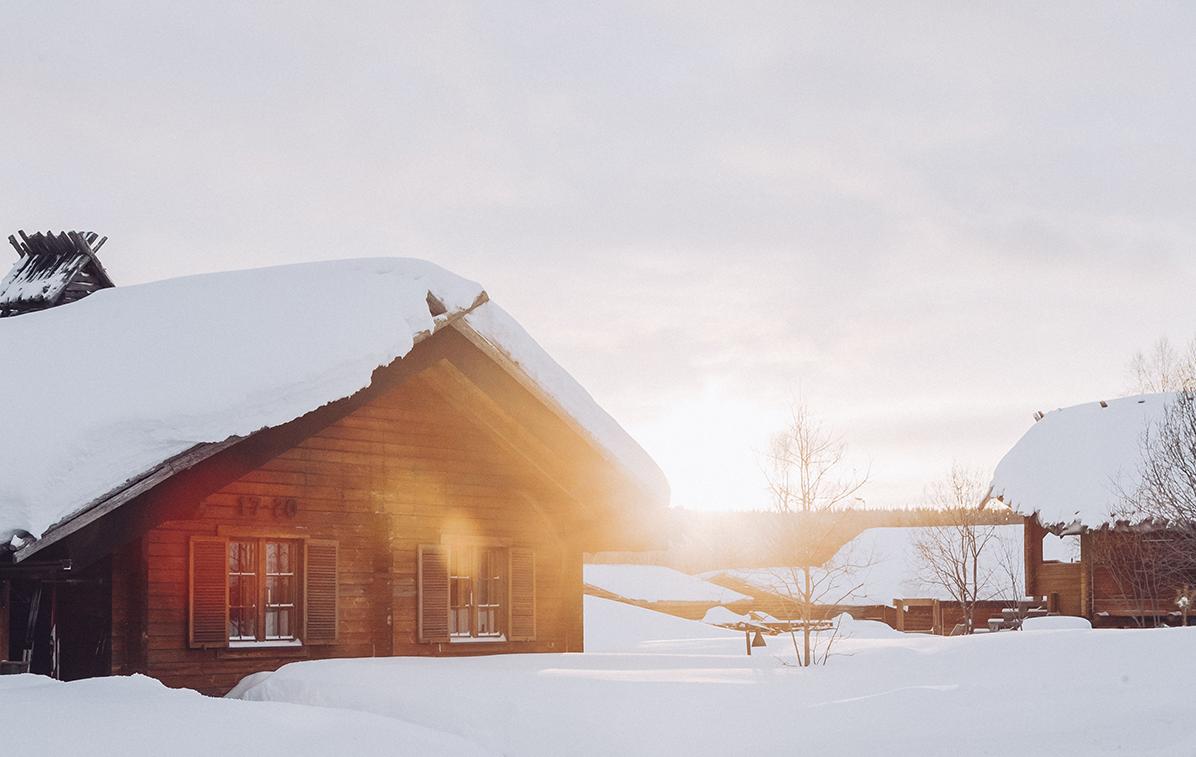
(928, 220)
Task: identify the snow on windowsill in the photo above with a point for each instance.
(477, 639)
(271, 644)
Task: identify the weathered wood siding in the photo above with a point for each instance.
(404, 470)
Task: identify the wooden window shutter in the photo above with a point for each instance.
(522, 620)
(433, 593)
(320, 592)
(207, 601)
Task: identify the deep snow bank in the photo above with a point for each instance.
(123, 716)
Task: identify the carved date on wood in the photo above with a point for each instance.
(271, 507)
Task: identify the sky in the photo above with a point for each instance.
(925, 221)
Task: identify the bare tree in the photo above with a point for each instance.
(1163, 368)
(810, 481)
(966, 557)
(1010, 571)
(1150, 554)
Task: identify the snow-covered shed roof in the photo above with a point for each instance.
(656, 583)
(114, 385)
(1073, 465)
(885, 566)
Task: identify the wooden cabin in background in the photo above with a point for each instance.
(889, 583)
(383, 463)
(1068, 475)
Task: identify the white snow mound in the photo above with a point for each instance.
(1056, 623)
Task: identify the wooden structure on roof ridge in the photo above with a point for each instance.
(52, 269)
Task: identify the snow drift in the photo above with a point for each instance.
(135, 715)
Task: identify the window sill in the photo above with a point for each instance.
(478, 640)
(273, 644)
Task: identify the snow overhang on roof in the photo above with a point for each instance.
(656, 583)
(114, 386)
(1073, 465)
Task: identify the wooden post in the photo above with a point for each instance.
(1086, 575)
(1032, 534)
(4, 615)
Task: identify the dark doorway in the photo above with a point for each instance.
(63, 624)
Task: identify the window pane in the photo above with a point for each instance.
(242, 557)
(460, 591)
(278, 556)
(486, 622)
(280, 589)
(242, 590)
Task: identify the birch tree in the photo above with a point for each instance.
(808, 476)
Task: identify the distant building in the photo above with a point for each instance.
(1069, 476)
(889, 582)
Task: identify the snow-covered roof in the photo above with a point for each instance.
(889, 568)
(1072, 466)
(101, 391)
(656, 583)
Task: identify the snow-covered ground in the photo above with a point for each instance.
(134, 715)
(655, 684)
(664, 685)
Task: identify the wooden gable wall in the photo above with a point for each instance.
(406, 468)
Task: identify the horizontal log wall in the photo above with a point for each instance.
(1064, 580)
(403, 470)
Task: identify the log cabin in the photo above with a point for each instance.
(216, 475)
(1069, 476)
